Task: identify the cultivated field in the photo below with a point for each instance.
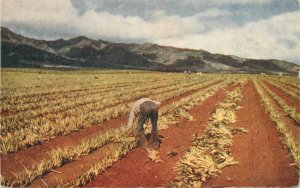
(66, 128)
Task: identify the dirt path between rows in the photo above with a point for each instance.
(286, 97)
(291, 124)
(264, 161)
(136, 169)
(13, 163)
(293, 86)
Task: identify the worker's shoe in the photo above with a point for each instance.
(153, 145)
(153, 141)
(141, 140)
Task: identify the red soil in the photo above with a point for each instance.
(69, 172)
(291, 124)
(13, 163)
(136, 169)
(290, 85)
(287, 98)
(264, 161)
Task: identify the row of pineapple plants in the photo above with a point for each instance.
(35, 88)
(58, 156)
(14, 104)
(65, 105)
(50, 125)
(288, 81)
(31, 103)
(22, 103)
(290, 110)
(167, 115)
(292, 92)
(19, 83)
(287, 135)
(211, 152)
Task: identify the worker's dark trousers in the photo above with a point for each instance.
(148, 109)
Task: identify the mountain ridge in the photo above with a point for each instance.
(81, 52)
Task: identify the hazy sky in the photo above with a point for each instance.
(247, 28)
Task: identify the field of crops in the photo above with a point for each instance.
(67, 128)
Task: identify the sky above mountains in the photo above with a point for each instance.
(246, 28)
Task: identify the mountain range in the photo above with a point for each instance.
(83, 52)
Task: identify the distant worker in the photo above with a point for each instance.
(141, 111)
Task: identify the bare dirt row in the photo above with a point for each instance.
(290, 85)
(263, 159)
(287, 98)
(291, 124)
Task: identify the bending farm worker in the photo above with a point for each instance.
(141, 111)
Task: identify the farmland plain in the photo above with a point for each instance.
(67, 128)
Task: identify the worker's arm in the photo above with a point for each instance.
(131, 119)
